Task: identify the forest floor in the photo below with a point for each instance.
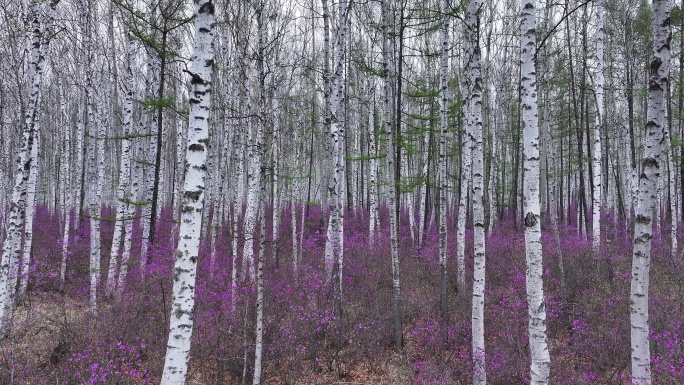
(55, 341)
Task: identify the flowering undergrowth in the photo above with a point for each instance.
(54, 340)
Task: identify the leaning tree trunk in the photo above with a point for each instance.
(536, 308)
(646, 201)
(11, 246)
(183, 304)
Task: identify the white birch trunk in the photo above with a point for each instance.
(255, 140)
(598, 128)
(536, 308)
(293, 222)
(391, 187)
(476, 131)
(238, 152)
(334, 247)
(647, 201)
(275, 225)
(466, 158)
(153, 78)
(217, 203)
(30, 213)
(374, 216)
(259, 327)
(66, 185)
(294, 196)
(177, 187)
(97, 163)
(441, 165)
(423, 188)
(17, 210)
(123, 215)
(181, 320)
(674, 212)
(490, 184)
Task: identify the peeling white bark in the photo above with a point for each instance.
(536, 308)
(476, 132)
(598, 128)
(646, 198)
(184, 274)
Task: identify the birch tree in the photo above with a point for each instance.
(183, 303)
(443, 129)
(28, 223)
(66, 185)
(374, 215)
(335, 122)
(391, 188)
(123, 212)
(646, 199)
(476, 131)
(598, 128)
(36, 44)
(124, 180)
(536, 308)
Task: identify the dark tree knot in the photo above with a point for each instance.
(643, 219)
(530, 220)
(196, 147)
(194, 195)
(207, 7)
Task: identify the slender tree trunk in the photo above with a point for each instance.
(28, 222)
(374, 217)
(476, 131)
(391, 200)
(181, 320)
(466, 159)
(128, 187)
(648, 182)
(443, 130)
(66, 185)
(259, 327)
(254, 154)
(275, 199)
(599, 126)
(336, 123)
(123, 215)
(536, 308)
